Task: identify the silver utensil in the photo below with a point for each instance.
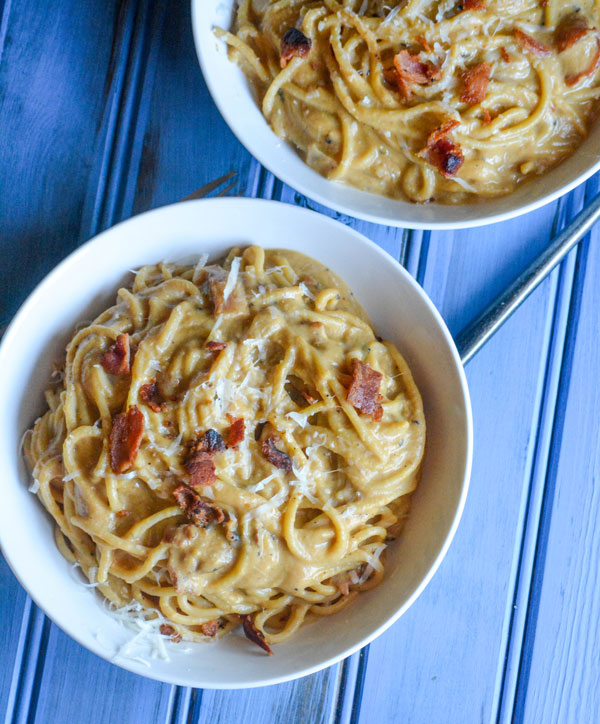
(477, 332)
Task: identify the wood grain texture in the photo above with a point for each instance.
(110, 116)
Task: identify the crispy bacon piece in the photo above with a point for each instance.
(409, 70)
(363, 393)
(487, 118)
(235, 432)
(210, 628)
(216, 278)
(475, 81)
(199, 460)
(592, 68)
(294, 44)
(530, 44)
(167, 630)
(201, 469)
(571, 29)
(216, 346)
(150, 395)
(199, 510)
(276, 457)
(443, 153)
(473, 5)
(504, 54)
(209, 442)
(254, 634)
(124, 439)
(116, 359)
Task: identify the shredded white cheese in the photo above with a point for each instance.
(298, 418)
(175, 444)
(261, 483)
(305, 290)
(199, 266)
(232, 278)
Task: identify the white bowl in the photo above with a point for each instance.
(85, 283)
(232, 95)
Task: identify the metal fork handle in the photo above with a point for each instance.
(477, 333)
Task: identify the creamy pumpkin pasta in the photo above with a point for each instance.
(230, 444)
(427, 100)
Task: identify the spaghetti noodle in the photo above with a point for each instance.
(361, 87)
(230, 444)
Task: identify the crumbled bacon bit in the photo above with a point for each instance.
(475, 81)
(167, 630)
(592, 68)
(210, 628)
(473, 5)
(276, 457)
(363, 393)
(122, 513)
(209, 442)
(199, 463)
(424, 44)
(124, 439)
(487, 118)
(294, 44)
(531, 44)
(443, 153)
(410, 69)
(504, 54)
(200, 511)
(235, 432)
(116, 359)
(442, 131)
(150, 395)
(254, 634)
(201, 469)
(216, 346)
(571, 29)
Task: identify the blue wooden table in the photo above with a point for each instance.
(103, 114)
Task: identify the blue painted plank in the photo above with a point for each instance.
(560, 667)
(54, 61)
(186, 143)
(13, 634)
(74, 685)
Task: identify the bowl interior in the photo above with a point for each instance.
(86, 282)
(233, 97)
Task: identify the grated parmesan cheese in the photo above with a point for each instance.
(261, 483)
(203, 258)
(232, 278)
(298, 418)
(305, 290)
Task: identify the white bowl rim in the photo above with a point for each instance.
(255, 149)
(132, 665)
